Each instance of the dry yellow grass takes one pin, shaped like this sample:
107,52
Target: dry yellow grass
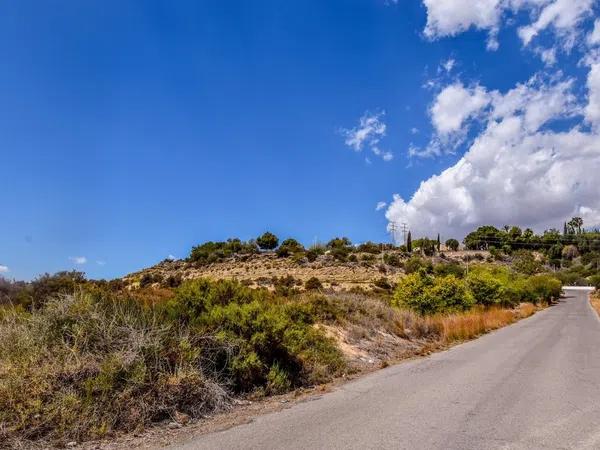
465,326
595,300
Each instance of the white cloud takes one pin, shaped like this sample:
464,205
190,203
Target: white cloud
594,37
101,263
454,105
79,260
592,110
563,15
4,269
548,56
451,17
367,134
449,64
515,171
171,257
380,206
414,130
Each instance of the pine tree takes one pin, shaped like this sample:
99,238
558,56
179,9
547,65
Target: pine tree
409,243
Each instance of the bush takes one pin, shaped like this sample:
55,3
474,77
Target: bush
211,252
314,252
486,289
414,264
391,259
595,281
285,286
425,294
445,269
369,247
544,287
267,241
91,363
383,283
313,284
339,243
289,247
524,262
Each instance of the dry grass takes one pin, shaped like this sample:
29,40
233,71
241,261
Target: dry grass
478,321
368,328
595,301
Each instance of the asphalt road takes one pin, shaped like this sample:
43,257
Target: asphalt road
532,385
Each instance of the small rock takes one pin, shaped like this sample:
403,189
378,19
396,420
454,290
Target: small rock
71,444
174,425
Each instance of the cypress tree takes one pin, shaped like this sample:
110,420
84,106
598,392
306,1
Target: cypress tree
409,243
439,244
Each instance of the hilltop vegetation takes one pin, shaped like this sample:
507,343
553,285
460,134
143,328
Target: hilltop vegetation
82,359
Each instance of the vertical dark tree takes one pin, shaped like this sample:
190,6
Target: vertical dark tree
409,243
439,244
565,230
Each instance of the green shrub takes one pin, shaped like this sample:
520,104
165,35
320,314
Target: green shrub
88,364
314,252
313,284
339,243
285,286
211,252
383,283
391,259
486,289
289,247
369,247
267,241
544,287
595,281
445,269
524,262
425,294
414,264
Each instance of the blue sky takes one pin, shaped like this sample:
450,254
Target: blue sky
132,130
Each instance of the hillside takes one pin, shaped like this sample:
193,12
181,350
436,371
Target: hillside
267,269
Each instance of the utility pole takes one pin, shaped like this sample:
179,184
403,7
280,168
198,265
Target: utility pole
393,229
404,230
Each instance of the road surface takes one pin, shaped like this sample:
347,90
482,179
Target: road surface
532,385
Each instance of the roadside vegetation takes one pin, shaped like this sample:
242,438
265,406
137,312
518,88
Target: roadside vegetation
83,359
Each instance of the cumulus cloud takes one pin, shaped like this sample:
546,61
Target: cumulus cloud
4,269
79,260
563,16
380,206
594,37
369,132
592,110
516,171
454,105
451,17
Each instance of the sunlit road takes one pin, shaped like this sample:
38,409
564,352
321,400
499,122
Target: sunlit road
532,385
